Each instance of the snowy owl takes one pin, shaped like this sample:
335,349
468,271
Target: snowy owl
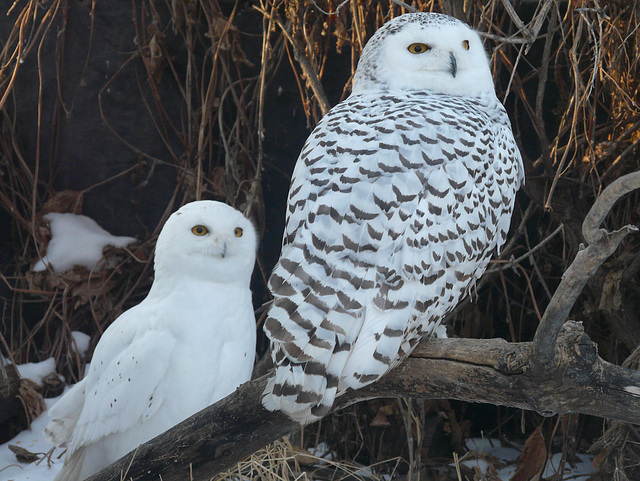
190,343
398,199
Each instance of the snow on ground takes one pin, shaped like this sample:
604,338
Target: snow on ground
33,441
81,342
76,240
323,451
37,371
508,456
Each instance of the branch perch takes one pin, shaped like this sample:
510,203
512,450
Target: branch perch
477,370
559,372
583,267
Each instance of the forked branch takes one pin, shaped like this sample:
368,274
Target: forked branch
601,245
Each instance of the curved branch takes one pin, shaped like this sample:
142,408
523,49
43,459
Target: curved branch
604,203
583,267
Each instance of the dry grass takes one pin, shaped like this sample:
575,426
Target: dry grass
281,461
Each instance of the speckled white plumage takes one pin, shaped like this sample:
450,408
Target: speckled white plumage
189,343
399,197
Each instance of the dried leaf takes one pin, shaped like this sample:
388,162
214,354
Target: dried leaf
380,419
42,234
598,458
31,399
23,455
492,473
532,458
611,298
52,385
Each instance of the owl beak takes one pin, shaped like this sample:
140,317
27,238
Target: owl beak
454,65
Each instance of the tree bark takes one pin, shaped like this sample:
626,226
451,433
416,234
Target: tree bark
477,370
583,267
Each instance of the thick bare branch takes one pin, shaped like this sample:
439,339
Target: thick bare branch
489,371
583,267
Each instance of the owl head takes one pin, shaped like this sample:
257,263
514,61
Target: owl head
207,241
424,51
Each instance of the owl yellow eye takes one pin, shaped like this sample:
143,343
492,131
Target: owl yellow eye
465,44
199,230
418,48
239,232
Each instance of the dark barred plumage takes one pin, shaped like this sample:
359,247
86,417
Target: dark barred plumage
397,202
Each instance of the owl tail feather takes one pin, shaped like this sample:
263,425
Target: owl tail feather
304,397
73,467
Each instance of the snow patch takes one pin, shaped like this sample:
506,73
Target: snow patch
322,450
33,441
81,342
37,371
581,471
76,240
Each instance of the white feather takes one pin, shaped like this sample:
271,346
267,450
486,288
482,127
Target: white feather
190,343
399,197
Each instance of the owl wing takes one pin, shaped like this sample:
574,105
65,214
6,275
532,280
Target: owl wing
444,234
386,190
126,380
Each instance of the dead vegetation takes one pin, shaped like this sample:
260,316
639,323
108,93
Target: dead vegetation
207,74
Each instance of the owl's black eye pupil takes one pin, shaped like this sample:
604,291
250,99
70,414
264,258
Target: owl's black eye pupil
417,48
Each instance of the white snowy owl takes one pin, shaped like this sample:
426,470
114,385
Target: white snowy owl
399,197
190,343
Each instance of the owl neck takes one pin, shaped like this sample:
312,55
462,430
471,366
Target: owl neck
488,99
191,292
167,284
444,88
469,82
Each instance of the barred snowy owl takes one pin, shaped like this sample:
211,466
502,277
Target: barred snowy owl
399,197
190,343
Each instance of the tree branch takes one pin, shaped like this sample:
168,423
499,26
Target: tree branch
477,370
583,267
604,203
313,80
